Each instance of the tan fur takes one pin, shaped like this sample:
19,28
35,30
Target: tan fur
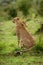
24,37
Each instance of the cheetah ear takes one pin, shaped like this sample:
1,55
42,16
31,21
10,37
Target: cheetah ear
17,18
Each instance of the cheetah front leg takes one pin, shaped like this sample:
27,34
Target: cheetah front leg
19,43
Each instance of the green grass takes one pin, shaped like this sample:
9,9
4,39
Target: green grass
21,60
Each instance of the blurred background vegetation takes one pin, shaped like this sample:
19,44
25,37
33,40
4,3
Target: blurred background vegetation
23,8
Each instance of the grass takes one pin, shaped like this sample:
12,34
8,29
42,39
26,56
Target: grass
8,43
21,60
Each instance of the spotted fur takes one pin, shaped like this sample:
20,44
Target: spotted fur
24,37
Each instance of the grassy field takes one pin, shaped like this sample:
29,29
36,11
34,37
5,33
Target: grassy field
8,43
24,59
